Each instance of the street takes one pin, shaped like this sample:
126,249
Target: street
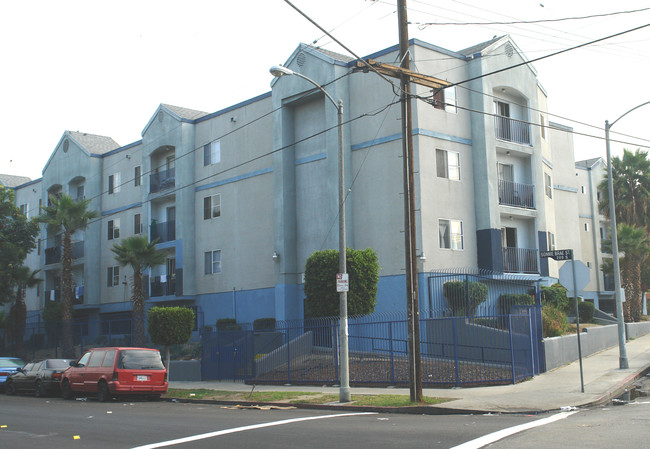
28,422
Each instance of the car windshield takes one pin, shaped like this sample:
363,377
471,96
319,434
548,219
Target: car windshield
140,359
57,363
11,363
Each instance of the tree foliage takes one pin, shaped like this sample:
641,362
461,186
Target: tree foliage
464,297
17,239
555,295
66,215
321,297
139,254
170,325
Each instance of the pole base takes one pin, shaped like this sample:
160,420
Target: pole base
345,395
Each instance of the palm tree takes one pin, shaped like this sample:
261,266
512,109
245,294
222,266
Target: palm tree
137,253
631,181
66,215
25,278
635,243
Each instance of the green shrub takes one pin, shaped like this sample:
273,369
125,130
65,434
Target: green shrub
228,324
554,321
555,296
264,324
507,300
586,310
170,325
459,299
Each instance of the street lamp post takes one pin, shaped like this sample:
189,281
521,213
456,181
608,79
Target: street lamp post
622,359
344,362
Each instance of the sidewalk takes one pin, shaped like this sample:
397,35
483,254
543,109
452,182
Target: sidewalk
603,380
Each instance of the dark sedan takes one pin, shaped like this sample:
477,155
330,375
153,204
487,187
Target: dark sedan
41,378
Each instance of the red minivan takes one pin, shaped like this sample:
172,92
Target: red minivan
109,372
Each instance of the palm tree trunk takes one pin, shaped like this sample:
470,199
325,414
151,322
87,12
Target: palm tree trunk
139,338
631,283
66,298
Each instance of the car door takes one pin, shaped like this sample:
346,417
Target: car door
76,373
19,377
94,370
31,375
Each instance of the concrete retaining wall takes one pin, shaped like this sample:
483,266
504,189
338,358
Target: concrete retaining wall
185,370
560,351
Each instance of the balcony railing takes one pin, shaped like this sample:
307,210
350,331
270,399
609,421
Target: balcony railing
520,260
53,254
165,231
516,194
512,130
162,180
160,288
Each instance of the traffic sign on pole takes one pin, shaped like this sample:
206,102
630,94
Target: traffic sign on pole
342,284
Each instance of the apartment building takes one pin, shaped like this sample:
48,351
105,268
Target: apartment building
239,198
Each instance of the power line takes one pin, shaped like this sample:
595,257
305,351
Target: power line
517,22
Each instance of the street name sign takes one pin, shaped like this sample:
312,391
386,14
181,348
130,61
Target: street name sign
558,254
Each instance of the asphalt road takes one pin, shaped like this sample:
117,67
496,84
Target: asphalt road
28,422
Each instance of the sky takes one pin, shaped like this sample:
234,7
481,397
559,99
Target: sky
104,67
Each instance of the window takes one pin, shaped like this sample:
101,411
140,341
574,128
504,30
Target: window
588,264
96,359
213,262
38,247
137,224
81,192
137,176
551,241
548,187
212,153
113,276
603,233
114,229
586,227
598,195
24,209
582,188
445,99
114,183
109,359
448,164
212,206
542,123
451,234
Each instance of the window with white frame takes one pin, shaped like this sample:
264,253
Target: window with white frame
212,206
113,276
445,99
212,153
114,229
548,186
586,227
114,182
137,176
448,164
551,241
213,262
451,234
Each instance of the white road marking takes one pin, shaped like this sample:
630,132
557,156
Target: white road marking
496,436
245,428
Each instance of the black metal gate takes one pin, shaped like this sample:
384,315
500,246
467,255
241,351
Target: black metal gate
227,355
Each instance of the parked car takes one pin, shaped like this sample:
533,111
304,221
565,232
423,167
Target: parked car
40,377
9,365
110,372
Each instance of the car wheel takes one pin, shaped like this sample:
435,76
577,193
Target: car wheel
103,394
10,388
39,391
66,390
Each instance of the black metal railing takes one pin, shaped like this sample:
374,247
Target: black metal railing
516,194
162,180
512,130
520,260
163,286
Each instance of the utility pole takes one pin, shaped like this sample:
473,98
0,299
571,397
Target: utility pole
412,302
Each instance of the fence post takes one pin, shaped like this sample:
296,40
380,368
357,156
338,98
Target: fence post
532,343
288,358
334,329
453,326
392,355
512,349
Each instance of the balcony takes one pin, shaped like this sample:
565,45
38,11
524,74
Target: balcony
162,180
165,231
53,254
520,260
512,130
516,194
163,286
